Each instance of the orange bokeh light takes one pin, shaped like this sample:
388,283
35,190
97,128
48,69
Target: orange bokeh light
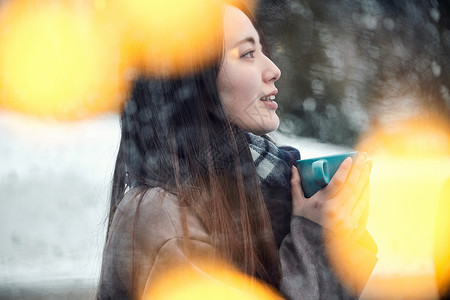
208,280
54,63
411,163
165,37
70,60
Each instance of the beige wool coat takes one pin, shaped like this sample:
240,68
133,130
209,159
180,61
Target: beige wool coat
146,240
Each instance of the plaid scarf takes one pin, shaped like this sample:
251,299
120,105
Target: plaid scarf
273,166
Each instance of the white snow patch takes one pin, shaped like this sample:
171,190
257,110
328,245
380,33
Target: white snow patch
54,185
308,147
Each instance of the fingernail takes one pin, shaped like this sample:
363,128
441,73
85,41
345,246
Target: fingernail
347,162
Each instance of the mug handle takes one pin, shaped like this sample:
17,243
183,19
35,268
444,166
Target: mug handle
320,172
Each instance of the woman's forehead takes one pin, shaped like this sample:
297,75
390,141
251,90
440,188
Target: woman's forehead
237,27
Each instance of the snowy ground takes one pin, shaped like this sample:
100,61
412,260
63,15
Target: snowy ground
54,181
54,184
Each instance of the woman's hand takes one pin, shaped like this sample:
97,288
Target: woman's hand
343,204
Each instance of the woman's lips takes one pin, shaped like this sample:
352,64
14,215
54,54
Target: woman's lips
269,101
268,98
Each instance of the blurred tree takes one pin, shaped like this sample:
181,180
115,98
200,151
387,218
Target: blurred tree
348,65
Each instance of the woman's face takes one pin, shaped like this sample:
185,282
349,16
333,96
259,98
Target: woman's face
246,80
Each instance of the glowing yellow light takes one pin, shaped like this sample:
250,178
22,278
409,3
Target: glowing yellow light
411,165
210,281
441,247
71,60
53,62
166,36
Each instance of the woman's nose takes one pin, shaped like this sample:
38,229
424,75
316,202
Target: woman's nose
271,72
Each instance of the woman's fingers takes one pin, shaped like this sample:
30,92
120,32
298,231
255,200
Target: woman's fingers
351,223
296,191
339,177
351,185
296,188
364,218
364,178
355,189
347,207
360,214
361,205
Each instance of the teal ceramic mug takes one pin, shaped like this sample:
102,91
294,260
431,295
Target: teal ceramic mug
315,173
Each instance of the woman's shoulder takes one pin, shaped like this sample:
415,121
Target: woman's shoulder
142,225
151,202
155,213
148,209
145,239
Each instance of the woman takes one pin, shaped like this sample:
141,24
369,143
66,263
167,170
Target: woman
185,184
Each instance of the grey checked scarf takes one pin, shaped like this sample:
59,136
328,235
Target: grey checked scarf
273,166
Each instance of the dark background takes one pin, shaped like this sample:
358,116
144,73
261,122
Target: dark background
350,65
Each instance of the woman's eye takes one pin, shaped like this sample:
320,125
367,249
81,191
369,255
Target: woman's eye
249,54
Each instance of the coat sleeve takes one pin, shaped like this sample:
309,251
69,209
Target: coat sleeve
306,264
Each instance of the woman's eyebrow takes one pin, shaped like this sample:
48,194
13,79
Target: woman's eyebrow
246,40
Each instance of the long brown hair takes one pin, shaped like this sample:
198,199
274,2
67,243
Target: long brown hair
175,135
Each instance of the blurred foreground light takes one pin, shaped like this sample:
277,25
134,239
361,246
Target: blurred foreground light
441,247
208,280
54,62
69,60
165,37
410,178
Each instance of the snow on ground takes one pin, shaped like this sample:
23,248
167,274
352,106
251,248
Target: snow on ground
54,182
54,186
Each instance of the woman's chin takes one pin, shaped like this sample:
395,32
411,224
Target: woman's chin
266,127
